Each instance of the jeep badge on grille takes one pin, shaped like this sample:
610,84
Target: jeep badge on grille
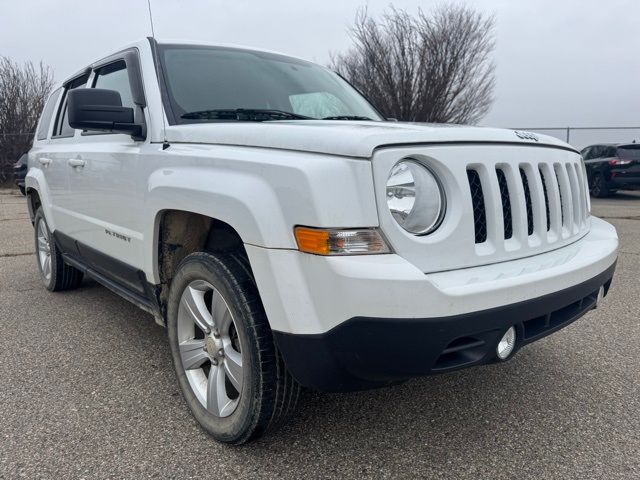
526,135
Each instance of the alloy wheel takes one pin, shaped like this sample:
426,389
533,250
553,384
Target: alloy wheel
44,250
210,348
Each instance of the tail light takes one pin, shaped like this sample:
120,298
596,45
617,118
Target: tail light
618,161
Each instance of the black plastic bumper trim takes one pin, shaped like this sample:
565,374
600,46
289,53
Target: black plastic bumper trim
366,352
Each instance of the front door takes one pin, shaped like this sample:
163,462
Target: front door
103,179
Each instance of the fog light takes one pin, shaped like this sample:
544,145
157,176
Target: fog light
506,344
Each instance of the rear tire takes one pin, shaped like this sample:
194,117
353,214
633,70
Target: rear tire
55,274
218,331
599,186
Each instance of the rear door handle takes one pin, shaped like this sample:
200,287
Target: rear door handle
44,161
76,162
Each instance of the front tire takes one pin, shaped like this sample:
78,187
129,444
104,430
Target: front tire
229,370
55,274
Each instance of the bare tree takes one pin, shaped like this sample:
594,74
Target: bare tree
23,91
433,67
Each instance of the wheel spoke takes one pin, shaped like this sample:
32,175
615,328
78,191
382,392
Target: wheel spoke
233,367
42,244
220,313
217,400
46,267
193,302
193,354
224,324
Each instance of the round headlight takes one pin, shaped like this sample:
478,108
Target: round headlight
415,197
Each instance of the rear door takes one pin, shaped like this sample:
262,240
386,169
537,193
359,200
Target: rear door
40,157
591,162
110,200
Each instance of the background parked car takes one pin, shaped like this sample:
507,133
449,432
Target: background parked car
20,171
612,167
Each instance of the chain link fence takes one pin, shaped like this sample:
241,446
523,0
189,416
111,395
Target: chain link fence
12,146
581,137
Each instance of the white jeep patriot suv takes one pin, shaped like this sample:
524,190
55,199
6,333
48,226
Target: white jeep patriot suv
287,235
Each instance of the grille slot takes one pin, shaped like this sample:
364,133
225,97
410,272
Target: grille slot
479,209
555,172
527,199
581,187
546,198
578,195
506,204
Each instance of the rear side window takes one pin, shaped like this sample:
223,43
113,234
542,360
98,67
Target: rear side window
115,77
47,114
62,128
609,152
629,152
596,151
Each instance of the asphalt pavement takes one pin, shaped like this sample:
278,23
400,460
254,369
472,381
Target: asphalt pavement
87,390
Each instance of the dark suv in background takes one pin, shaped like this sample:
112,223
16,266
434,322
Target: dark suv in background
612,167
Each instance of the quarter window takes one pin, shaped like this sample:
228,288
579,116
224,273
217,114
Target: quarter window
610,152
62,128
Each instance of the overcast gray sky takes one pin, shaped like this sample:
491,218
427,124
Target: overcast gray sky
562,62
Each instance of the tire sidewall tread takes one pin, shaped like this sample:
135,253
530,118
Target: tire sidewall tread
63,276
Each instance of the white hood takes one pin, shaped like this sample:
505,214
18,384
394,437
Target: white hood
344,138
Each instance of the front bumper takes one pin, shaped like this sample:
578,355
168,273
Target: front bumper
370,352
346,323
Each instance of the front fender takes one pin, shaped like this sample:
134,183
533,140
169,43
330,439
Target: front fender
263,195
211,194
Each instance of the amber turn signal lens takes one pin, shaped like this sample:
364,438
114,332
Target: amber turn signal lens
311,240
340,242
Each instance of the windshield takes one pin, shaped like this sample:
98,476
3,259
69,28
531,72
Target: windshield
202,82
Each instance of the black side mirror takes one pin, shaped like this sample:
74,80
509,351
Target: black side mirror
102,110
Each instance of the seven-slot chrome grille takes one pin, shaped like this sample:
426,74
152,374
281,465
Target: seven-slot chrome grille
504,202
533,203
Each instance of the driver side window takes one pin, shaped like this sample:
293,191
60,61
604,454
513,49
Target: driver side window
115,77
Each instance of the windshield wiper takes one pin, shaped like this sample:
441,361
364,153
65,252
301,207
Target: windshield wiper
244,114
347,117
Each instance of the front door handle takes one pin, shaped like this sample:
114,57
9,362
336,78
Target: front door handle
76,162
44,161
